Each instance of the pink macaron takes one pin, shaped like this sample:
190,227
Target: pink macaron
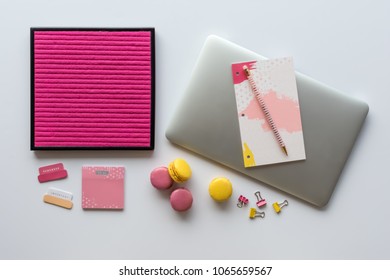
160,178
181,199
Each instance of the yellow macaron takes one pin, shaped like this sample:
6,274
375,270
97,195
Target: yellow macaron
220,189
179,170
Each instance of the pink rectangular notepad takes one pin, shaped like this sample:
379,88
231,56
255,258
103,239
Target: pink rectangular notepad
275,82
103,187
92,88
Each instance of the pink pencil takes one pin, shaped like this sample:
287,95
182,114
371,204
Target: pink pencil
265,109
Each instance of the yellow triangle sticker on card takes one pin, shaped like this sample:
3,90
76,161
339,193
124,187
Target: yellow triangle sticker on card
249,158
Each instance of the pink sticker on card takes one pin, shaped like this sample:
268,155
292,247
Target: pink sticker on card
103,187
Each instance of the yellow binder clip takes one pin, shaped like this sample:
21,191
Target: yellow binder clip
278,206
255,214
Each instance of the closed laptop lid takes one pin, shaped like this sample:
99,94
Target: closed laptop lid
206,123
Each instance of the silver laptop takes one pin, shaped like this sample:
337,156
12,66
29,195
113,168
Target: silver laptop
206,123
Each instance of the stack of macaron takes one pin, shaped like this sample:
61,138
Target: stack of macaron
163,178
220,188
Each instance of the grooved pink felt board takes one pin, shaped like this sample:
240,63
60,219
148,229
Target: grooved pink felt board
92,88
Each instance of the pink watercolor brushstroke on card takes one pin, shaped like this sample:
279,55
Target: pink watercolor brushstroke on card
285,112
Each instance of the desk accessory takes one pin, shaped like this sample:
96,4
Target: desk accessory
52,172
265,109
255,214
268,111
242,201
220,189
103,187
59,198
206,123
260,201
278,206
92,88
181,199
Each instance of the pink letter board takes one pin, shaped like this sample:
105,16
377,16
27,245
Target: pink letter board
92,88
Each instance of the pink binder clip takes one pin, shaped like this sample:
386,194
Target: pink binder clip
52,172
260,201
242,200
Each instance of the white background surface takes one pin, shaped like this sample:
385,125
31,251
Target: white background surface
345,44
